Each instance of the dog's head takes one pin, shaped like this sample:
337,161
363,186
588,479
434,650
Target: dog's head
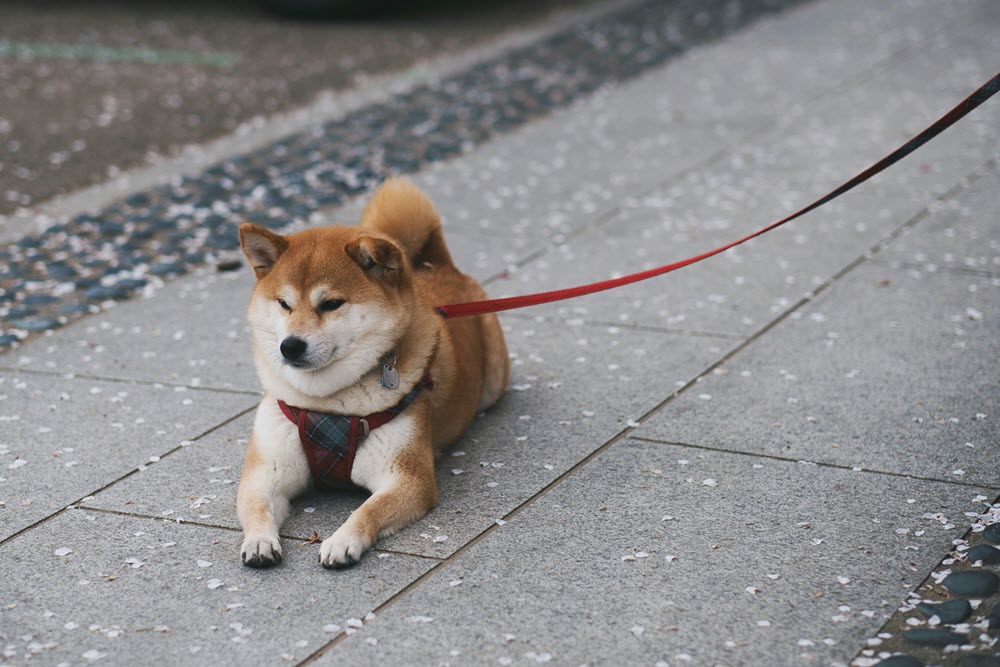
328,304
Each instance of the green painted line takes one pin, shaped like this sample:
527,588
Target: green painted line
86,52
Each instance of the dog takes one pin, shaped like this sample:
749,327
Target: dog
365,384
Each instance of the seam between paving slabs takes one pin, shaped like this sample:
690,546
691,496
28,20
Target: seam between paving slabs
821,464
963,184
652,328
120,380
938,268
125,476
304,541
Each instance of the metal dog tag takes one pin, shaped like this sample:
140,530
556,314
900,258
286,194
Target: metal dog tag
390,376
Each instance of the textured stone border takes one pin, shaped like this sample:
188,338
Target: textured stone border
92,260
953,616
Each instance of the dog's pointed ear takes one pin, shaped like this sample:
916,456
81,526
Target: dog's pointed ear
379,258
262,247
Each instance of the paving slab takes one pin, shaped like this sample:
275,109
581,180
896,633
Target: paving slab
963,233
765,178
97,588
573,388
61,439
193,332
554,176
890,369
656,554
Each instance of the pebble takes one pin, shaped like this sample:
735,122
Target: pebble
930,637
35,323
72,308
900,661
39,300
984,552
992,533
972,582
981,661
166,268
951,612
994,616
105,292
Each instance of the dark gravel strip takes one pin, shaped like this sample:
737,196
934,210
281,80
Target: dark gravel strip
942,623
49,279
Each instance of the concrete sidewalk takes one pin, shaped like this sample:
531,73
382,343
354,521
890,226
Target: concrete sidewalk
769,458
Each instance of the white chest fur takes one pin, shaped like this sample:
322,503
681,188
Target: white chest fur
277,441
373,465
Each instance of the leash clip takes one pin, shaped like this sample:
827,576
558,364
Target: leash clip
365,428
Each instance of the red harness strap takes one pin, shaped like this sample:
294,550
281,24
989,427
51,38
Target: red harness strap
328,466
330,441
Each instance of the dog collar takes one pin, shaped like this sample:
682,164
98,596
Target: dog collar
330,441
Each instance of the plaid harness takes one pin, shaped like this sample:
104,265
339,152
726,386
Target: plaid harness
331,441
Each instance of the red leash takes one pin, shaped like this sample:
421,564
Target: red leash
495,305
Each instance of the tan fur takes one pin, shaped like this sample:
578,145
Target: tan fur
390,270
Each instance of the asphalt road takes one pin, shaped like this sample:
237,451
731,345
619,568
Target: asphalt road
88,89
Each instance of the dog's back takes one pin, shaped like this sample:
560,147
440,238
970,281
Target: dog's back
402,211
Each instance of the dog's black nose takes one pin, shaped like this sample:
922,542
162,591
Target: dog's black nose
292,348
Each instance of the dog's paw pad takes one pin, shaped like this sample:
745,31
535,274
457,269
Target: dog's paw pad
342,549
261,551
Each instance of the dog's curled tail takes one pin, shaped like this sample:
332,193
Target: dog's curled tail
404,212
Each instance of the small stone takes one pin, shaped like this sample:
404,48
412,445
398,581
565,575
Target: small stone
39,299
994,617
21,312
992,533
35,323
228,265
73,308
951,612
927,637
984,552
105,293
981,661
972,582
133,283
8,339
165,268
900,661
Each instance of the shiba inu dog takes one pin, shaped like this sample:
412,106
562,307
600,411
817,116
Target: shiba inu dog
364,383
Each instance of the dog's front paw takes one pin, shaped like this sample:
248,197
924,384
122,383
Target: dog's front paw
261,550
343,548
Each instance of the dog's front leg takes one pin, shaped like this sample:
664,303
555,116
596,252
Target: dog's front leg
397,465
274,471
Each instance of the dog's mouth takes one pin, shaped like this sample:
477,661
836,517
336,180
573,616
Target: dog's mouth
311,365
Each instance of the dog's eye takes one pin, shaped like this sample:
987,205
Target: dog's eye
281,302
330,305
